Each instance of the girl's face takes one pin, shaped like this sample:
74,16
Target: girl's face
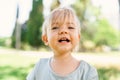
63,35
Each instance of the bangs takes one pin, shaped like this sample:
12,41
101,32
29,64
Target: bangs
63,16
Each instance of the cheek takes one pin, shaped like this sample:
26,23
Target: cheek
76,38
51,36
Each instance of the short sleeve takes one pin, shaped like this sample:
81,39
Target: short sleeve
37,71
92,74
31,75
89,72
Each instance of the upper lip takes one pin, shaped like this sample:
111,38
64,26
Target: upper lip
64,39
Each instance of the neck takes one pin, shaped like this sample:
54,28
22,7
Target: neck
65,57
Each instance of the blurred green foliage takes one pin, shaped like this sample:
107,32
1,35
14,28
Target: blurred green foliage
8,72
94,29
34,25
108,74
2,42
5,42
106,34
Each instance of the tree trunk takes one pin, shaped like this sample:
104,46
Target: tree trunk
18,36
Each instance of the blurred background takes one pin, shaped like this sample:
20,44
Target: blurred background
20,35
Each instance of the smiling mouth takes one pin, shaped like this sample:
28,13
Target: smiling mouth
64,39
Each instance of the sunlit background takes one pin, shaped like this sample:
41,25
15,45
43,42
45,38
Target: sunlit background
8,15
20,35
8,12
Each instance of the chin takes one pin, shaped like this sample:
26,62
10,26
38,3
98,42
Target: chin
64,49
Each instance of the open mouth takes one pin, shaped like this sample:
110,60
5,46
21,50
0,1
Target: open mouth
63,39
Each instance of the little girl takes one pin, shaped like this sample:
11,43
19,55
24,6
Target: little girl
61,32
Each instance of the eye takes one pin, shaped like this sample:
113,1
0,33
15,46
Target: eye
53,28
71,27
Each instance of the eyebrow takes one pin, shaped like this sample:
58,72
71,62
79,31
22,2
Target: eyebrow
70,23
54,24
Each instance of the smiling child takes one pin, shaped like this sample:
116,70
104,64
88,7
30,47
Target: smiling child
61,32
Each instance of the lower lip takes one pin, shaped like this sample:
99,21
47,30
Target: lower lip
63,42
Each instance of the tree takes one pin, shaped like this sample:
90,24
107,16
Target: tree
34,25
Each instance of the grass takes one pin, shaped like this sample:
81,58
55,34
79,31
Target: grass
16,66
13,73
108,74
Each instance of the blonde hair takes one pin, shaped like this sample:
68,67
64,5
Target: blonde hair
60,15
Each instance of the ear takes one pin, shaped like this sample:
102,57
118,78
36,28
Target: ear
44,39
79,36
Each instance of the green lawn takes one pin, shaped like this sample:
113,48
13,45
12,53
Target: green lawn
16,66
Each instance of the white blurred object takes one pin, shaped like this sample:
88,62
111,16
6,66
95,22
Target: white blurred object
7,17
110,10
66,2
105,48
8,12
47,5
25,7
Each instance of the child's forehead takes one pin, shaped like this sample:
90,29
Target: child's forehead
63,16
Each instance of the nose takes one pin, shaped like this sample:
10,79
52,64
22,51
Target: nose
63,31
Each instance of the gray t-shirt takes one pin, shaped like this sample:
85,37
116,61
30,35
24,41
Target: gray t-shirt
43,71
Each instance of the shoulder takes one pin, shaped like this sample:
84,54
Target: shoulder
43,60
37,68
89,71
86,65
41,63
